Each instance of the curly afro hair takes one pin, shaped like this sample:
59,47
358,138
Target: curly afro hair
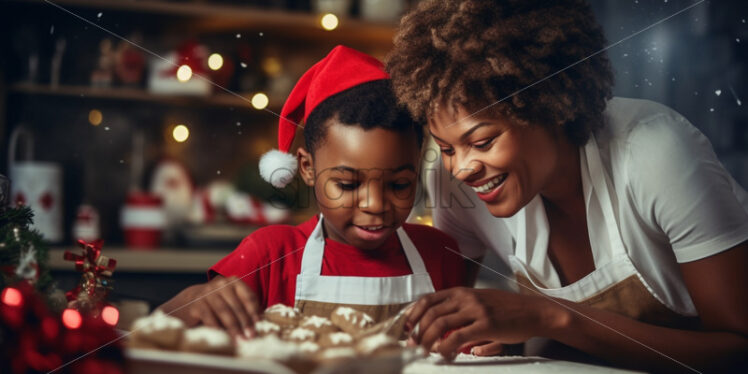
497,54
367,105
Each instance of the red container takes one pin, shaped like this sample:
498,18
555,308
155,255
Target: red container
143,220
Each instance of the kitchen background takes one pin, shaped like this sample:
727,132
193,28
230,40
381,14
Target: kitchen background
152,144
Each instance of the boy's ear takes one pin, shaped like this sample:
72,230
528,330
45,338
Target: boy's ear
306,166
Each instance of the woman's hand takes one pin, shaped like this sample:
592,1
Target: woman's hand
481,318
226,303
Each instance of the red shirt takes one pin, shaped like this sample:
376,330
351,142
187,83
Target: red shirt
271,258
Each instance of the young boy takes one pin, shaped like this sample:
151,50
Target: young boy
361,158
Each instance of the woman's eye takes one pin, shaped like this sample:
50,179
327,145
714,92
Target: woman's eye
484,144
401,186
347,186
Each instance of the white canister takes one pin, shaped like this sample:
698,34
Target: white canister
382,10
338,7
37,185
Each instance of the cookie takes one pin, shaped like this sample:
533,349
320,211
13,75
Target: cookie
300,334
282,315
337,354
350,320
264,328
320,325
158,329
376,344
206,339
309,347
335,339
268,347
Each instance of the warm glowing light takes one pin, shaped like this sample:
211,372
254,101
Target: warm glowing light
110,315
329,22
260,101
95,117
180,133
71,319
184,73
12,297
272,66
215,61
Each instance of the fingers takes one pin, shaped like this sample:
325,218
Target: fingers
249,301
446,307
445,324
424,304
231,299
489,349
475,332
226,317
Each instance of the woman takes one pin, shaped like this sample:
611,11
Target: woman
624,232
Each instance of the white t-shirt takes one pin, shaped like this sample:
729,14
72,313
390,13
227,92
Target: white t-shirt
673,199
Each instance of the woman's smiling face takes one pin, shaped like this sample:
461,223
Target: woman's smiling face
505,164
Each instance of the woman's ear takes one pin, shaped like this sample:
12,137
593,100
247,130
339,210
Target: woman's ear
306,166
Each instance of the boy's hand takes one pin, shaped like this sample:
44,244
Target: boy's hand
226,303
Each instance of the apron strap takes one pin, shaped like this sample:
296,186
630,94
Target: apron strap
600,183
311,259
414,258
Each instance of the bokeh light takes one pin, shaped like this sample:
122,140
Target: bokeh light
215,61
260,101
184,73
95,117
329,22
180,133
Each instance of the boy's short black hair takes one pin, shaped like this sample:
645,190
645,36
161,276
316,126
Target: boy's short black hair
368,105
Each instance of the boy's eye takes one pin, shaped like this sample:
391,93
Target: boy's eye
345,186
447,151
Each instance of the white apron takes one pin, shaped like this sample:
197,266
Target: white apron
615,284
380,297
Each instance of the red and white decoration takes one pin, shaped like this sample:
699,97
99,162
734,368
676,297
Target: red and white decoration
87,225
173,184
143,220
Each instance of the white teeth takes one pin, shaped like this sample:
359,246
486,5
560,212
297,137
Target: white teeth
371,228
490,185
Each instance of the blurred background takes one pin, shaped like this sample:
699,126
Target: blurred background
141,122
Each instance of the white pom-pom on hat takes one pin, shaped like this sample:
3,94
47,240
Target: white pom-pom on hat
278,167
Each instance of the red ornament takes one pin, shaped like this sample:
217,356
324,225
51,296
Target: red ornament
47,201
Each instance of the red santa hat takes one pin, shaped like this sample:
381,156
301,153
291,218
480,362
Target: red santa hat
340,70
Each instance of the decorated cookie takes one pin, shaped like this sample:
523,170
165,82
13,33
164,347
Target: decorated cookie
157,330
300,334
273,348
206,339
282,315
309,347
376,344
264,328
336,339
350,320
320,325
337,354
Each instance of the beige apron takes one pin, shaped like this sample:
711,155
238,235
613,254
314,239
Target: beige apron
379,297
615,284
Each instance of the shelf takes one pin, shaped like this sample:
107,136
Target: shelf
161,260
210,17
136,94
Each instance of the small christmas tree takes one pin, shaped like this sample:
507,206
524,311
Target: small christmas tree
23,254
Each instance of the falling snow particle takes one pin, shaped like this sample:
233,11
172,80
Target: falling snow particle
696,93
238,124
99,15
244,65
238,36
718,92
52,30
239,132
673,79
121,161
742,20
262,34
737,40
625,55
711,109
106,128
218,172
